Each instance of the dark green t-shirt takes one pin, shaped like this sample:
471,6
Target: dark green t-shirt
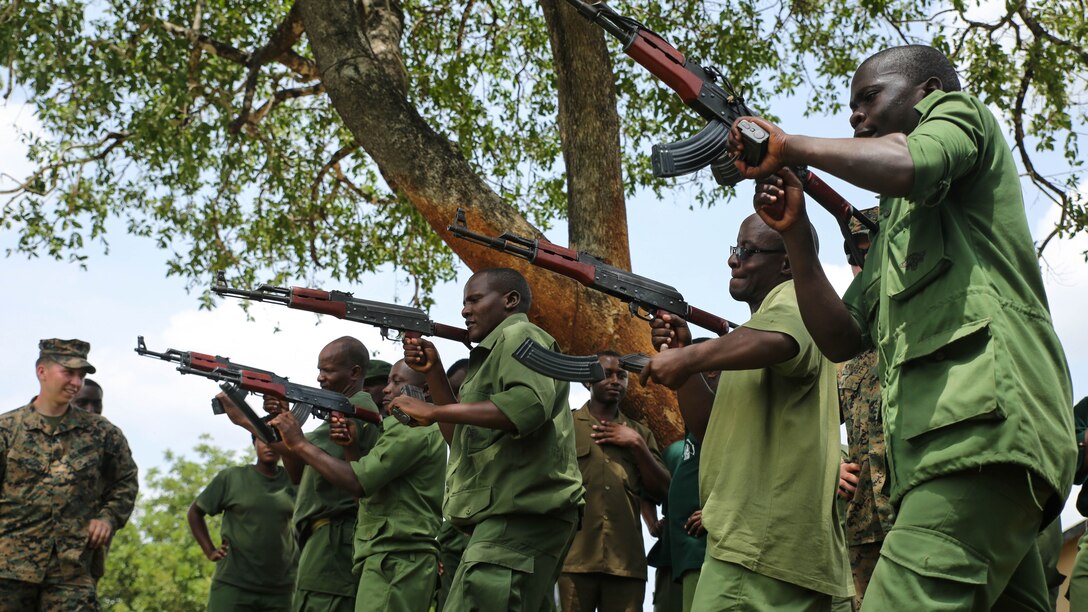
686,552
257,527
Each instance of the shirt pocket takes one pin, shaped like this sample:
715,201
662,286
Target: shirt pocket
466,503
947,379
915,252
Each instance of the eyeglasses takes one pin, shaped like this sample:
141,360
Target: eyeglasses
744,253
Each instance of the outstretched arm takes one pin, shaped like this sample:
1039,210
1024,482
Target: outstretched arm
882,165
337,471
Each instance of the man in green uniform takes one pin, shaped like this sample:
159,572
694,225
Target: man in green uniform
605,568
975,388
399,483
770,443
377,375
67,483
255,564
325,515
869,513
513,479
451,540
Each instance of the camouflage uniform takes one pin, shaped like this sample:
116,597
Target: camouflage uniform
869,514
53,480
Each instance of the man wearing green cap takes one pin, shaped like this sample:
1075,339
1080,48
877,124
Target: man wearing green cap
377,374
67,483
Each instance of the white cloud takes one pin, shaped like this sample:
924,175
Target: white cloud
1065,275
16,119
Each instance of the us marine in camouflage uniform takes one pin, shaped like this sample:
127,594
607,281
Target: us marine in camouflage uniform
869,513
67,482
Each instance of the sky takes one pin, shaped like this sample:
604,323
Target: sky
126,293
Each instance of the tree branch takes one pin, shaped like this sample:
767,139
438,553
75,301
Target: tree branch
113,138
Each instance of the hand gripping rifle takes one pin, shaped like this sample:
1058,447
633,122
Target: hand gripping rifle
409,321
643,295
322,403
720,106
569,367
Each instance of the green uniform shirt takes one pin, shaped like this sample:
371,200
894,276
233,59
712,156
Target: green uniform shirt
686,552
1080,418
330,571
53,481
402,478
952,298
256,525
869,513
610,540
532,470
770,462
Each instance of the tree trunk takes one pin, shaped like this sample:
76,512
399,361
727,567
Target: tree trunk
357,49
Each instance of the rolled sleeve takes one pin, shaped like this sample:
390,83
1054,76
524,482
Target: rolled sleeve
944,146
394,454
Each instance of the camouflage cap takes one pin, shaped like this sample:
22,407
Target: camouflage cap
68,353
872,214
377,371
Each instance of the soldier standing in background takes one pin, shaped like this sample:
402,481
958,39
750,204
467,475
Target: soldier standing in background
67,483
869,513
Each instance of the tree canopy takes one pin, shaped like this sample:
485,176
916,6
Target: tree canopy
204,124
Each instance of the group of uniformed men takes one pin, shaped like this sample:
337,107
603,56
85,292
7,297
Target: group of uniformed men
956,396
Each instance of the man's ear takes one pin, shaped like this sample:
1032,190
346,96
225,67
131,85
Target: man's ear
787,271
511,301
932,84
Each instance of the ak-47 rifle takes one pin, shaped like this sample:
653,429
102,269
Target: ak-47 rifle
410,391
322,403
411,322
572,368
720,106
643,295
238,397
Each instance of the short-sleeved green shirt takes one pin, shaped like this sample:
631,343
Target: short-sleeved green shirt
952,298
256,512
610,540
402,477
532,470
330,571
770,462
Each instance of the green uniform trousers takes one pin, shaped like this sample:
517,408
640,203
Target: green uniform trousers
511,563
225,597
963,542
326,560
397,582
728,586
586,592
690,581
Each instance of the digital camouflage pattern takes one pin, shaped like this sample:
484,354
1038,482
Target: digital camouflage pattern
869,514
68,353
53,481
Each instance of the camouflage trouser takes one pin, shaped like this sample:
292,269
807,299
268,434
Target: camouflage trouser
863,558
19,596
